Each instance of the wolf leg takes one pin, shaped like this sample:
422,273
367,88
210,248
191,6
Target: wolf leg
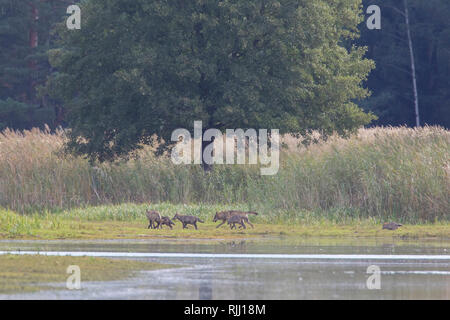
223,221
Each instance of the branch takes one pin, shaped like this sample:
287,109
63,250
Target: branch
395,67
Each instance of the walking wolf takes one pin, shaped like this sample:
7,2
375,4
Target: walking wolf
225,215
153,217
236,219
185,220
166,221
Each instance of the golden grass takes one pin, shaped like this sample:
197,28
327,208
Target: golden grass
385,173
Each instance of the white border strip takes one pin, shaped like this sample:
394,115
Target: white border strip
226,255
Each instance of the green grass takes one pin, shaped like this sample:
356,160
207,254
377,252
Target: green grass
382,173
128,221
28,273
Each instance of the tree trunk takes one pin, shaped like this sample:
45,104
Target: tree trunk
413,67
33,32
206,167
33,43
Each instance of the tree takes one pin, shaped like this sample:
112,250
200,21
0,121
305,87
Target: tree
413,63
139,68
25,38
394,99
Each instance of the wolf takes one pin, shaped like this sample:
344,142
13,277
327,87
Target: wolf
153,217
166,221
237,219
185,220
225,215
391,225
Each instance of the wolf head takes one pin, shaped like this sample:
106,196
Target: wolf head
176,216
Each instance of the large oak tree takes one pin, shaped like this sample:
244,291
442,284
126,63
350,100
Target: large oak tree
138,68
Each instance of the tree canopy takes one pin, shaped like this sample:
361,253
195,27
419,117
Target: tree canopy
25,38
27,34
139,68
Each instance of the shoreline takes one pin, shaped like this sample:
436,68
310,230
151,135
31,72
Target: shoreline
110,230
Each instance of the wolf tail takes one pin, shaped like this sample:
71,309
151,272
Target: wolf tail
200,220
253,212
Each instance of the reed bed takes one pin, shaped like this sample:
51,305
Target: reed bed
381,173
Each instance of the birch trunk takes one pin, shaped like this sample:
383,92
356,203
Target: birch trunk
413,67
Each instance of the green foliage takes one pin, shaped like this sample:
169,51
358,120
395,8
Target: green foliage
390,82
11,113
15,224
138,68
24,67
14,114
234,91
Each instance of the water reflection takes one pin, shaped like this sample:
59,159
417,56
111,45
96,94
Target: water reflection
205,277
205,289
309,280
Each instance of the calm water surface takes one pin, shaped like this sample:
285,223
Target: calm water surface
269,268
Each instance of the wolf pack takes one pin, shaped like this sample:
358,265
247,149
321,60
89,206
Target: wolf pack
231,217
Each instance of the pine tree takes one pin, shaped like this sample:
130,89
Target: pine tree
25,38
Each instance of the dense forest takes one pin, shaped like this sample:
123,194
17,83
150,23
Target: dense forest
392,98
27,33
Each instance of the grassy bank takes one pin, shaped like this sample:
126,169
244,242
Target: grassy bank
381,174
127,221
28,273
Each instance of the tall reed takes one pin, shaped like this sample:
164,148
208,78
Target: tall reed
384,173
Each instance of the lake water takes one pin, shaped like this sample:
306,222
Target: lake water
268,268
